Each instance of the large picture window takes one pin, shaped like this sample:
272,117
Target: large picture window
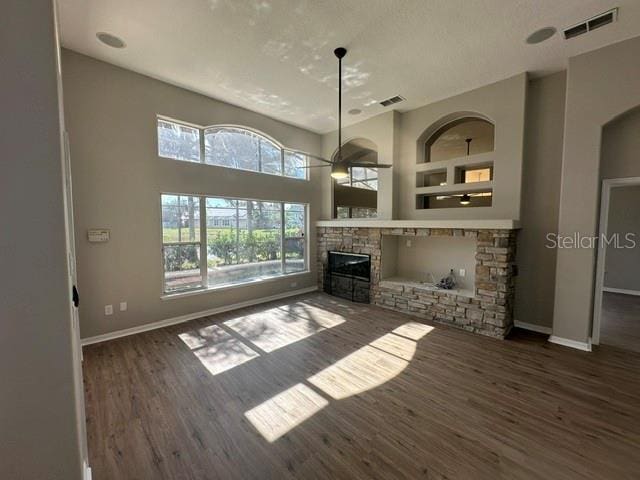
230,147
234,241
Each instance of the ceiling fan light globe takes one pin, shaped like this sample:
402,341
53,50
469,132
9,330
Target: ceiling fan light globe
339,171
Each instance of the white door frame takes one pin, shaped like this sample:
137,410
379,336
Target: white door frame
605,200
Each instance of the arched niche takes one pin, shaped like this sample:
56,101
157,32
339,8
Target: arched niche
356,196
621,146
446,138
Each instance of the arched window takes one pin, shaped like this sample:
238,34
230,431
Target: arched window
228,146
462,137
243,149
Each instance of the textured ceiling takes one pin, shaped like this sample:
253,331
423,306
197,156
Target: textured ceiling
276,56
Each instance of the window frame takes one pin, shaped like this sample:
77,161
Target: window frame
351,181
260,136
350,212
202,226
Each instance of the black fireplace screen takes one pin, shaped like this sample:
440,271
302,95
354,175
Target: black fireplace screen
350,264
348,276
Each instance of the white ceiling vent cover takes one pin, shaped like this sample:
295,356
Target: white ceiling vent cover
591,24
392,100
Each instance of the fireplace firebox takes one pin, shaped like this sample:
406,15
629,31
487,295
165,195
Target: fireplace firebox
348,275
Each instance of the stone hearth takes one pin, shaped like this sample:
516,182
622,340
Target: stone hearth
488,310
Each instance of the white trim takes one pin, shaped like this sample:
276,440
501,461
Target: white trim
86,471
622,290
607,185
506,224
192,316
532,327
566,342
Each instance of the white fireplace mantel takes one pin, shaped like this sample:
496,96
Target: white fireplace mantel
505,224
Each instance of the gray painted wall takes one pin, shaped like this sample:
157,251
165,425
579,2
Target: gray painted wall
118,178
620,159
535,284
38,437
601,86
622,265
621,146
398,135
504,104
381,131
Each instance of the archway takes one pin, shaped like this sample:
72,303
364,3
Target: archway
356,196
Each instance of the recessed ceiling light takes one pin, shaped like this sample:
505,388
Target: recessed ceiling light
355,111
541,35
110,40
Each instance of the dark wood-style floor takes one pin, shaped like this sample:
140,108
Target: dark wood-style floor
318,388
620,321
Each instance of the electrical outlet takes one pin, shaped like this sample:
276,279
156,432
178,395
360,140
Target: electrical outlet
462,272
294,284
108,309
408,243
123,306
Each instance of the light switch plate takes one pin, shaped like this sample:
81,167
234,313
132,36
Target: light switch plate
123,306
463,272
108,309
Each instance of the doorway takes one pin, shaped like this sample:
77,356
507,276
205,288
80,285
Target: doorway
617,295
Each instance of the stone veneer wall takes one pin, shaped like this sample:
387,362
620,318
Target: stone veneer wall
488,312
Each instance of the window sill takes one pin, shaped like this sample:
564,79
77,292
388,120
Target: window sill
201,291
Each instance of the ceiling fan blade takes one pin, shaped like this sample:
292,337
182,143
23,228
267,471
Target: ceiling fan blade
310,155
370,165
358,155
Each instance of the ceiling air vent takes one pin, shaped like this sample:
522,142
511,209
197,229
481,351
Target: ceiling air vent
392,100
591,24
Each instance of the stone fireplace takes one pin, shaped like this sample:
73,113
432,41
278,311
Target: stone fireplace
485,306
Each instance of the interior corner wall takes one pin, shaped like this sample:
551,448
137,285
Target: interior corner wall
535,283
380,130
118,178
38,433
601,85
503,103
622,265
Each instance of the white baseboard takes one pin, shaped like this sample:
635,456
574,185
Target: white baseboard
532,327
86,472
191,316
571,343
621,290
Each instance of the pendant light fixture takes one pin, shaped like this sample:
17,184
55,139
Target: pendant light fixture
339,169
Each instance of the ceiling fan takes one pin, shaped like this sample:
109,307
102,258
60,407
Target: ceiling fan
340,165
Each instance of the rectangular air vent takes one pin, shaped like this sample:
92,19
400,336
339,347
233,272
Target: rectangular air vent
392,100
591,24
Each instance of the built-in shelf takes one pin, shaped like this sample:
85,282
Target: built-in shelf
456,188
479,159
411,283
501,224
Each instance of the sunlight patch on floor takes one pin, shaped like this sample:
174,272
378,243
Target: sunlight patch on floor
396,345
365,369
285,411
362,370
217,350
413,330
276,328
